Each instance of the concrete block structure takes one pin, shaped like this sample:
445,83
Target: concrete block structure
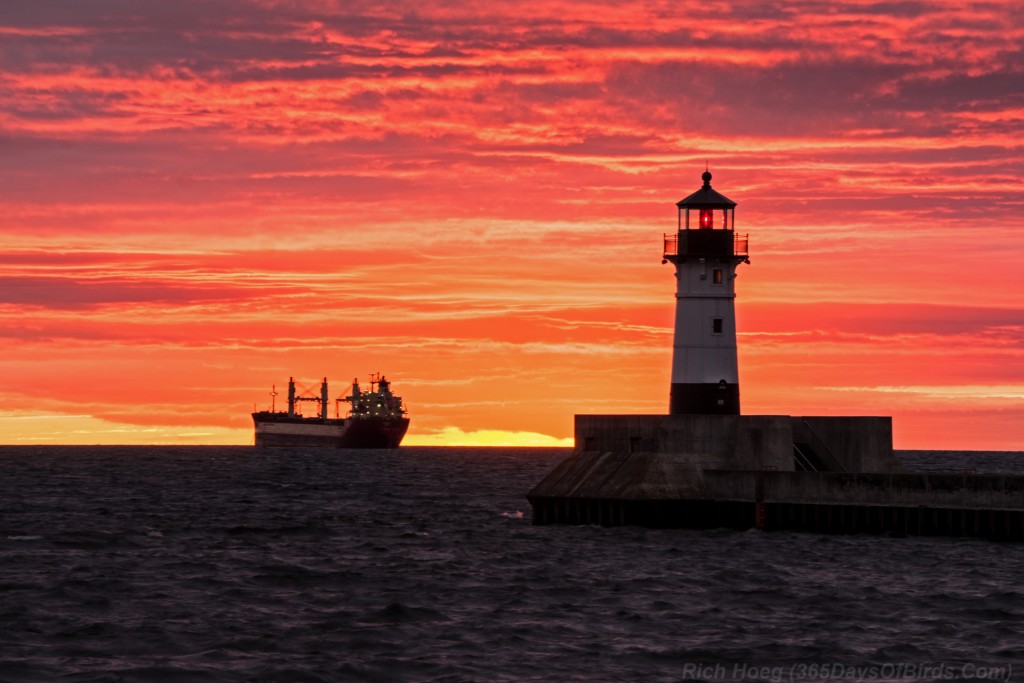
824,474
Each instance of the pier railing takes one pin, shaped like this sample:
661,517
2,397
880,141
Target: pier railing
821,448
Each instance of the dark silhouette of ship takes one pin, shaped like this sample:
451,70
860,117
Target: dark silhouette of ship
375,419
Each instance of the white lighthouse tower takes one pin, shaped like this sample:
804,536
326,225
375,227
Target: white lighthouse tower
706,252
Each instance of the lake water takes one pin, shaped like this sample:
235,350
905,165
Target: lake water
237,564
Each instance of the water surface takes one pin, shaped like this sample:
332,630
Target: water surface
237,564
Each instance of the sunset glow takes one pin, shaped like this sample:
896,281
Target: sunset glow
201,199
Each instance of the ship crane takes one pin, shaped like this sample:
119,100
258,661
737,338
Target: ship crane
321,399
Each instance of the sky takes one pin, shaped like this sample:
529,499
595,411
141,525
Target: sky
199,199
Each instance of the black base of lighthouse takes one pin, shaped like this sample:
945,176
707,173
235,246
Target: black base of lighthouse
704,399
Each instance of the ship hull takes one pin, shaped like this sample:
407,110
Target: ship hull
280,430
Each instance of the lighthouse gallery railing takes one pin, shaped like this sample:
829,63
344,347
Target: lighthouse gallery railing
705,241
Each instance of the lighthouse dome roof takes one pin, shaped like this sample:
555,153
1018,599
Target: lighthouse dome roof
706,197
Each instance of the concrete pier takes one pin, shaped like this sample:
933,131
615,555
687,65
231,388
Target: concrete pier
823,474
705,465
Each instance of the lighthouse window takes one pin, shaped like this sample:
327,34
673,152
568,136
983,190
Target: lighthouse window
717,276
716,326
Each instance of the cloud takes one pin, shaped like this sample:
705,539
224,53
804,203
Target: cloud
218,194
35,428
453,436
954,393
61,292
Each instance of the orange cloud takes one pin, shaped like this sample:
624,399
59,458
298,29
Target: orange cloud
202,202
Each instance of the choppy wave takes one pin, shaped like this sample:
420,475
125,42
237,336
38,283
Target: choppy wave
235,564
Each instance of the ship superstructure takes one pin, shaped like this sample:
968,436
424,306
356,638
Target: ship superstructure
374,419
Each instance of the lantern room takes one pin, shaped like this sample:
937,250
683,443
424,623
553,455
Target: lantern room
707,209
707,223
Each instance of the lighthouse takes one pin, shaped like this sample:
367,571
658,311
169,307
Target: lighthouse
706,251
706,466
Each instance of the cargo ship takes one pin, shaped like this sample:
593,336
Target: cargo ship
374,419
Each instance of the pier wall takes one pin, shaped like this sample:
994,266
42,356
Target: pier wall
709,441
852,444
738,471
860,444
903,490
993,523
